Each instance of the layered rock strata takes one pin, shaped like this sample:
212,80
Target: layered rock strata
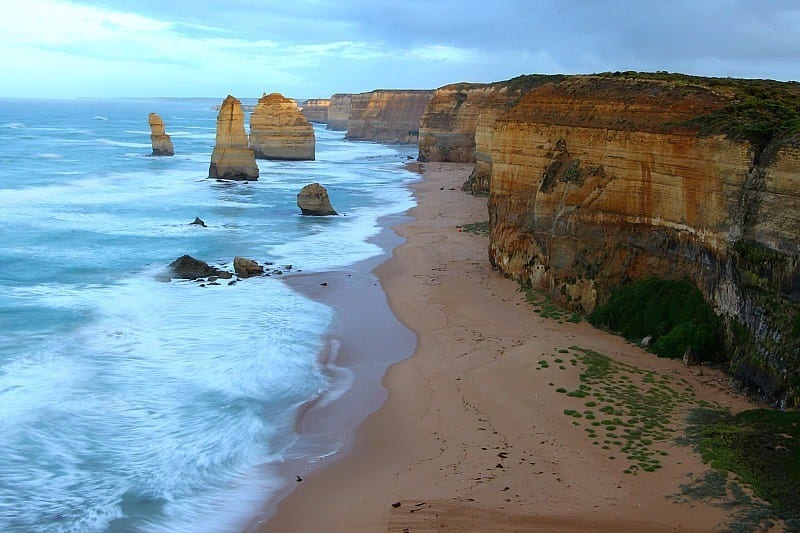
316,110
313,201
232,158
339,112
162,144
458,122
387,116
278,130
597,181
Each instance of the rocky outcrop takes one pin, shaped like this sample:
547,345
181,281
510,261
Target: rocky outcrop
162,144
387,116
600,180
313,200
316,110
278,130
339,112
232,158
187,267
458,122
246,268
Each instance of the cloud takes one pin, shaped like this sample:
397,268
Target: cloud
314,47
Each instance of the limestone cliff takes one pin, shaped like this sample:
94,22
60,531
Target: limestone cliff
316,110
339,112
278,130
162,144
458,122
599,180
387,116
232,158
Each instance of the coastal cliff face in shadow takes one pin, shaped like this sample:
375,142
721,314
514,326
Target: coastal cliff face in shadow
598,181
339,112
386,116
316,110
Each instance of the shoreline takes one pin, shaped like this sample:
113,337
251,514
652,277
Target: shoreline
352,357
471,436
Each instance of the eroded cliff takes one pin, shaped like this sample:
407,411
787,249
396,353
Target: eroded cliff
339,112
160,141
459,120
316,110
278,130
387,116
600,180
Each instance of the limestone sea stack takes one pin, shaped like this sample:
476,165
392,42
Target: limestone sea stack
313,200
162,144
278,130
232,158
339,112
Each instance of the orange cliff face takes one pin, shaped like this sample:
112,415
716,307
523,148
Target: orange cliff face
387,116
459,120
316,110
339,112
595,183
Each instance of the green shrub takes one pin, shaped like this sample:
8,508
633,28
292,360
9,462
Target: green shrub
672,312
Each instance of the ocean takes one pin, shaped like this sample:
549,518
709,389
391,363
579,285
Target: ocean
133,404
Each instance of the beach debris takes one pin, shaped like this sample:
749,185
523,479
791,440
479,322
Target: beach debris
313,201
396,505
162,144
324,283
299,479
246,268
197,222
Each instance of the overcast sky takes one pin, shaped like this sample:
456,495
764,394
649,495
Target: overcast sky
312,48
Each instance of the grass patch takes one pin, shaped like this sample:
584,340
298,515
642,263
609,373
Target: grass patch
544,306
477,228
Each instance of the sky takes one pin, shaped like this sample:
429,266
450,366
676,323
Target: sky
313,48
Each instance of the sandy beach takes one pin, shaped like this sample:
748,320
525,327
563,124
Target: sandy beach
476,432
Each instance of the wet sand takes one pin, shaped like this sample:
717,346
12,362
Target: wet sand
473,436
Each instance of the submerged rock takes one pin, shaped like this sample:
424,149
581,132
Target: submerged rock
162,144
198,222
187,267
232,158
246,268
313,200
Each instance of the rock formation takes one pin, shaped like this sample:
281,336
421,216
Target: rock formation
599,180
387,116
232,158
339,112
246,268
313,200
187,267
316,110
458,123
278,130
162,144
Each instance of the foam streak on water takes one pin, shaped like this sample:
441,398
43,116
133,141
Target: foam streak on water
129,404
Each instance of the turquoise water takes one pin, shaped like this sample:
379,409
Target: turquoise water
129,404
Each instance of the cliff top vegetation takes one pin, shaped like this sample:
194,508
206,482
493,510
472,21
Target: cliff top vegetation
759,111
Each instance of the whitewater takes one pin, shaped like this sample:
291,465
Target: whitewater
131,404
